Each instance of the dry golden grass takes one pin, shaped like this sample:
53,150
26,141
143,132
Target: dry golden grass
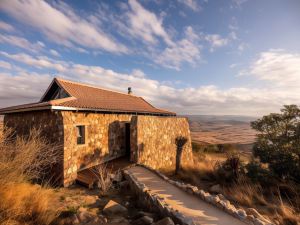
21,161
203,174
24,203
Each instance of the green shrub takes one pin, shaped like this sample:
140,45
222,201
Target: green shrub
258,174
231,169
278,142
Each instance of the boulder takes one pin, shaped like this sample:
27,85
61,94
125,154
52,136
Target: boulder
144,220
216,189
142,213
87,217
90,199
165,221
113,208
241,213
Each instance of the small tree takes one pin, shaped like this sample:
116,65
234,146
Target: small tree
180,142
278,142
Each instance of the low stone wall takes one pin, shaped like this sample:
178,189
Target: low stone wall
153,140
153,202
249,216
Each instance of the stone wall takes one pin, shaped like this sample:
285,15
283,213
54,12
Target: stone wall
153,140
50,125
105,140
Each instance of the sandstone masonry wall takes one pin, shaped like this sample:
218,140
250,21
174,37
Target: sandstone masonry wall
153,140
50,125
105,140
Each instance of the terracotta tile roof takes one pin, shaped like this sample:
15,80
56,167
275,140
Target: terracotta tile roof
86,97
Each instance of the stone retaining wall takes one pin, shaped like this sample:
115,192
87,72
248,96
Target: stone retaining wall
249,216
153,140
153,202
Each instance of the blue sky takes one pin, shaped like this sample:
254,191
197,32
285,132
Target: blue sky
238,57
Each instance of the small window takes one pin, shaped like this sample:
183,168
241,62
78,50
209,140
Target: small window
80,135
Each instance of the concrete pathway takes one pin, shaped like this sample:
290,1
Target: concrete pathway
191,206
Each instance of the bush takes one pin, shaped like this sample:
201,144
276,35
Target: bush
258,174
22,160
278,142
230,170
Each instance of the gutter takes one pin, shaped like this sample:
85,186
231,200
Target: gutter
64,108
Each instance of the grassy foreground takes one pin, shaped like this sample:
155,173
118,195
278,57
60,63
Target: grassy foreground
278,202
21,201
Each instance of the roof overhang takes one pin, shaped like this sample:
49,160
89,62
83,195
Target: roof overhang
64,108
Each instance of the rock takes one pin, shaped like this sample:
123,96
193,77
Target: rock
215,189
144,220
85,217
165,221
112,208
250,218
252,211
118,220
209,198
142,213
222,197
241,214
258,222
90,199
216,199
124,184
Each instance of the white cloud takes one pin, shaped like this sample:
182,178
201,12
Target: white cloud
5,65
21,42
207,99
185,50
38,62
54,52
61,24
145,24
6,26
138,73
216,41
242,46
238,3
192,4
279,67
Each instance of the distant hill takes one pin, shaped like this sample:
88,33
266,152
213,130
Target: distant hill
211,129
221,118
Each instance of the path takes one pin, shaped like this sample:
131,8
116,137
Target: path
191,206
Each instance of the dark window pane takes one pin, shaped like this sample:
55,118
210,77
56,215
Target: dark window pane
80,131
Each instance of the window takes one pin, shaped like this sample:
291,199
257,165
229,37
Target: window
80,135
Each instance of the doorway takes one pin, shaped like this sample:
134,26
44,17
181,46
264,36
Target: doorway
127,139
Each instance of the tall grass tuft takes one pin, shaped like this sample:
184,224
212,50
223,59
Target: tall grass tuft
22,161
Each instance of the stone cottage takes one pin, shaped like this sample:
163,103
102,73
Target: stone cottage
94,125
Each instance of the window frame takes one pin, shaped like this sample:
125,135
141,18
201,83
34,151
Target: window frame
82,128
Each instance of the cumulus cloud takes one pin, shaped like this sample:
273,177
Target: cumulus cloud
145,24
192,4
207,99
185,50
277,66
61,24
